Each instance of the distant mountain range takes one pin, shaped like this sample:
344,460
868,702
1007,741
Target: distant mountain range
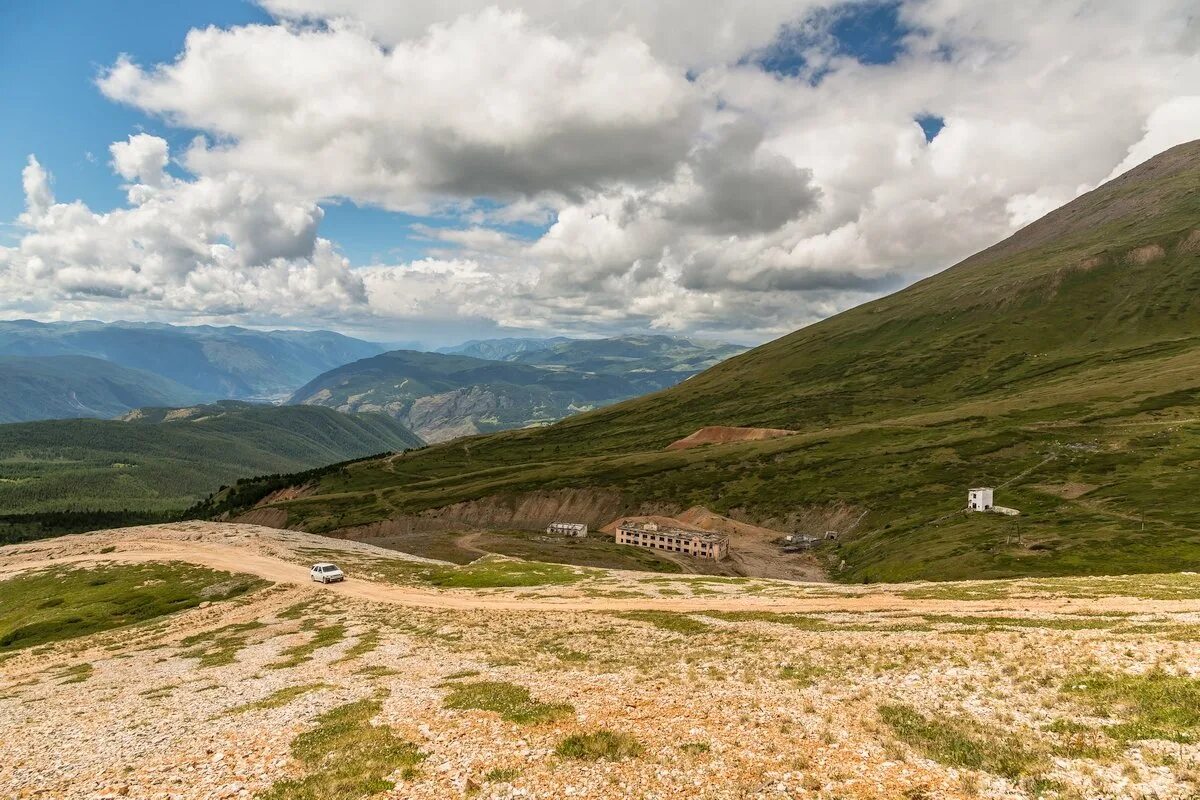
442,396
160,459
215,363
501,349
60,387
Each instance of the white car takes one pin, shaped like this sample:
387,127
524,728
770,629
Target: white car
326,573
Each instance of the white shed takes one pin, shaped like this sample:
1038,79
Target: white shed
980,500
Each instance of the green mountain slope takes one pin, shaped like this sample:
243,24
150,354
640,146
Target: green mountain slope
443,396
63,387
1061,366
166,459
216,362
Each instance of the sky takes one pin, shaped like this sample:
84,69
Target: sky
437,171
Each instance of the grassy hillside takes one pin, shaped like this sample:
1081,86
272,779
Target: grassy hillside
214,362
63,387
165,460
1061,365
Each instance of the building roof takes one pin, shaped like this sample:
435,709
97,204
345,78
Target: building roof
680,533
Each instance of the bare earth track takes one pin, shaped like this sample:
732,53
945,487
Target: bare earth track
734,688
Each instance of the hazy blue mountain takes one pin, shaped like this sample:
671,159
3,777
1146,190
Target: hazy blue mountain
442,396
216,362
61,387
650,363
501,349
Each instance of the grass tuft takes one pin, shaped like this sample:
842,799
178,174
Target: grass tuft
324,637
347,756
279,698
667,621
1155,705
960,742
513,703
600,745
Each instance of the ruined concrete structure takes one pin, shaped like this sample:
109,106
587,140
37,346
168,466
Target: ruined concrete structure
576,529
700,544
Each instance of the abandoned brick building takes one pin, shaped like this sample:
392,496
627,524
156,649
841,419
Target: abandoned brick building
701,544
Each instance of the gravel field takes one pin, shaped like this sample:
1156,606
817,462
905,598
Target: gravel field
1071,688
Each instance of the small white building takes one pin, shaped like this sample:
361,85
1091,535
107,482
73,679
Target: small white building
980,500
577,529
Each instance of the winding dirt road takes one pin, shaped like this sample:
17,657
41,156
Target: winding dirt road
260,552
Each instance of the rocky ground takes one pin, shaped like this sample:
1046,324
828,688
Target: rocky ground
725,688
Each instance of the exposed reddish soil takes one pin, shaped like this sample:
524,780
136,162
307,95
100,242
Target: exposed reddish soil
721,434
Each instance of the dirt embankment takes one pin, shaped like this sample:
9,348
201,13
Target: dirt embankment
721,434
528,511
267,517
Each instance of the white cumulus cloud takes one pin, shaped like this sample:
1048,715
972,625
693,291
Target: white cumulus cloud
671,181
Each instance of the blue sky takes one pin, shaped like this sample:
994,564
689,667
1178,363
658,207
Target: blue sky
397,171
51,53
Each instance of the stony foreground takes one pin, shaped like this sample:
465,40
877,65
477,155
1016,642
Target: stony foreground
441,683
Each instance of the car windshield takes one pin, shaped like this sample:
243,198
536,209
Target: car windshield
331,568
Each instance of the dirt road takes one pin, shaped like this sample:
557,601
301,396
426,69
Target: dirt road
203,546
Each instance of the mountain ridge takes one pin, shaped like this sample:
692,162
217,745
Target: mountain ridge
70,386
443,396
215,362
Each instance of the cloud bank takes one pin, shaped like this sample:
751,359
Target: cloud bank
680,166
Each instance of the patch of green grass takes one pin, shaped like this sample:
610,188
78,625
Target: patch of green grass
296,610
500,775
64,603
1076,740
961,742
991,590
802,674
488,573
322,638
667,621
600,745
1155,705
564,653
466,673
75,674
1077,623
219,647
279,698
366,643
513,703
347,757
695,748
376,671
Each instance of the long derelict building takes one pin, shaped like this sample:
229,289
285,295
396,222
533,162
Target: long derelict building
701,544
